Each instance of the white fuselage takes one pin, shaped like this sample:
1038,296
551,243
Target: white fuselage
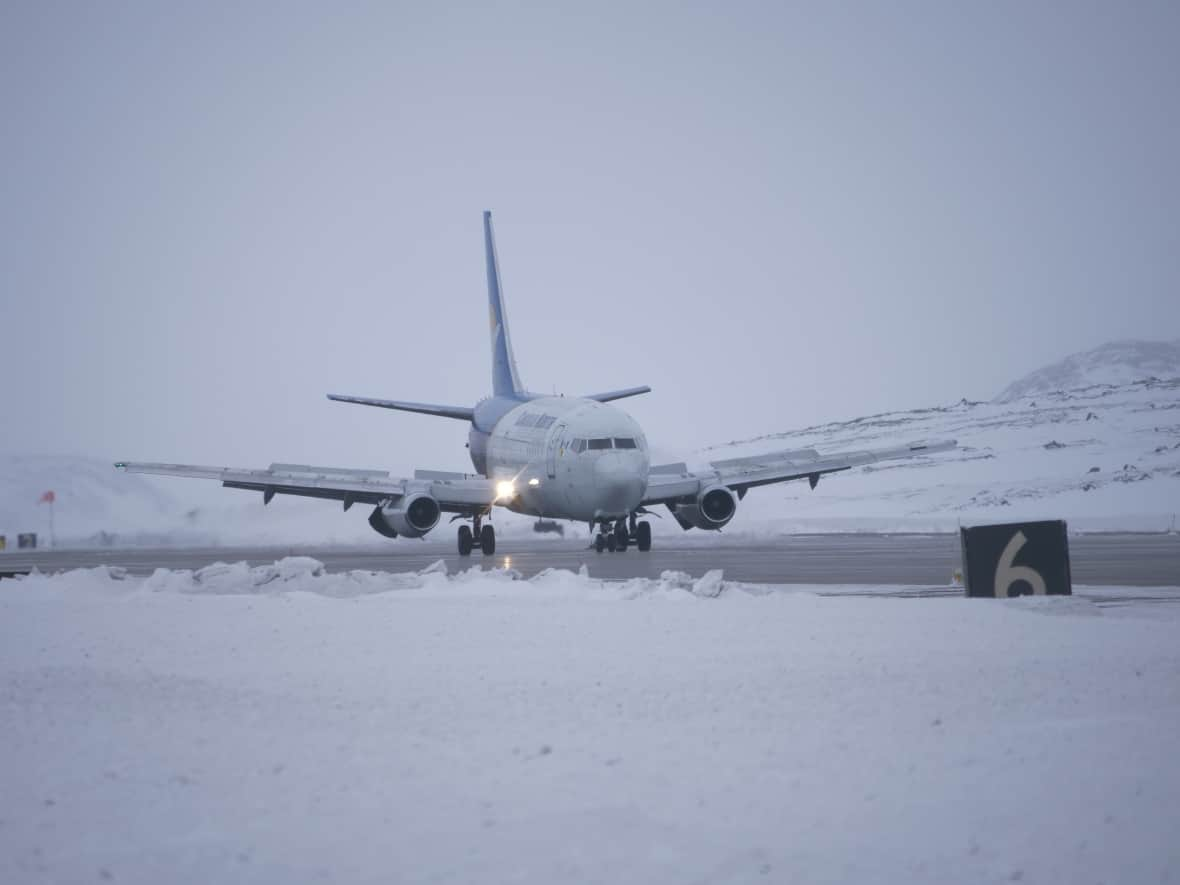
569,458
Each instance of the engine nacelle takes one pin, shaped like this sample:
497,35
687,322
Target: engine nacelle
380,526
713,508
411,517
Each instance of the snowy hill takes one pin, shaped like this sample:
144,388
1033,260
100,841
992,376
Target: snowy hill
1113,364
1104,457
1094,438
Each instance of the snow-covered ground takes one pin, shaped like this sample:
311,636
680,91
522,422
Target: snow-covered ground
1094,439
283,725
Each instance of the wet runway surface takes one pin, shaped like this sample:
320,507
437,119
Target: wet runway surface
1127,560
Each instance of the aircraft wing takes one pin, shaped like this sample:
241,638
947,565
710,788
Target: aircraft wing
455,492
673,482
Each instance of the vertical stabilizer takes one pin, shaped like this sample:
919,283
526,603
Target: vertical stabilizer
505,378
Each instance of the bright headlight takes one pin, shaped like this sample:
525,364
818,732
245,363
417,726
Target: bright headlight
505,489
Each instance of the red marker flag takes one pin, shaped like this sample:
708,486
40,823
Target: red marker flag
48,498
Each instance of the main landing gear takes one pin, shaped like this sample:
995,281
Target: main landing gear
468,535
617,538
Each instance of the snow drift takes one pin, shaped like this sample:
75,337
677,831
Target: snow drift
303,574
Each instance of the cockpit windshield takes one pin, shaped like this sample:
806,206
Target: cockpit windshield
598,445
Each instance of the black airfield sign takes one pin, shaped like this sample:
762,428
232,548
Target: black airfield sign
1016,559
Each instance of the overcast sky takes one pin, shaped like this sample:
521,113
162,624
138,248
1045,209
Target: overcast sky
774,214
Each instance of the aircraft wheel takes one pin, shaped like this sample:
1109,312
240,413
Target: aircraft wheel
487,540
622,539
599,542
466,540
611,543
643,536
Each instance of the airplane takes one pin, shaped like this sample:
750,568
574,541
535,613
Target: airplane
572,458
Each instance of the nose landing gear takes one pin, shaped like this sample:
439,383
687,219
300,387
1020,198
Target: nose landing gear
485,534
622,534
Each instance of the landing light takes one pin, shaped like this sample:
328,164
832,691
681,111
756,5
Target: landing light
534,481
505,489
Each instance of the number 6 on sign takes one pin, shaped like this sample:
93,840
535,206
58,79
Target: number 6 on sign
1008,574
990,551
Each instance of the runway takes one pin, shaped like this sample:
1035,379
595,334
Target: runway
919,560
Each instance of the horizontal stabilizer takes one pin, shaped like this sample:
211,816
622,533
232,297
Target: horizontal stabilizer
461,412
618,394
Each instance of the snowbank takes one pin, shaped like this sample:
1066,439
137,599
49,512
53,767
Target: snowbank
284,724
303,574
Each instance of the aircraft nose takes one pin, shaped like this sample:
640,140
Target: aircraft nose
619,482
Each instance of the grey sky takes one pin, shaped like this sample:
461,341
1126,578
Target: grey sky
775,215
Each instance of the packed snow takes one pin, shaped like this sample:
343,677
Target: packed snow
280,723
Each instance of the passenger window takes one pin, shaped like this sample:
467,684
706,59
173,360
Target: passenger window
599,444
624,442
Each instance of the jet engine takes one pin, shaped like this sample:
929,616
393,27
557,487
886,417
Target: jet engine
411,517
713,508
